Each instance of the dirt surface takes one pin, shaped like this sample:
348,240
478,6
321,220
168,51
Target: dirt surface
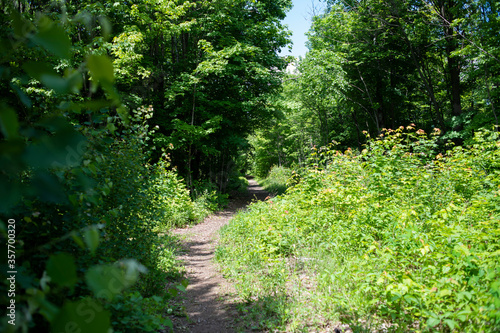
207,300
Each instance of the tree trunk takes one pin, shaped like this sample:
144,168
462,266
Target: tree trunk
358,134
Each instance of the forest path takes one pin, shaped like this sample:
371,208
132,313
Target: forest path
207,299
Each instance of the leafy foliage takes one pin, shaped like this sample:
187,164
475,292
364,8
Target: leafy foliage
276,182
375,65
398,237
76,180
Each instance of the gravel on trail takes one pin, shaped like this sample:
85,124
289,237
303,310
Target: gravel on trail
207,300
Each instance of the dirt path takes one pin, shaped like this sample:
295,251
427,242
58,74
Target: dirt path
207,301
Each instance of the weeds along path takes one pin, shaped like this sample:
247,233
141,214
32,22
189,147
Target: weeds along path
207,302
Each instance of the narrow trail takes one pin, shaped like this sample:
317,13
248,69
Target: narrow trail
207,302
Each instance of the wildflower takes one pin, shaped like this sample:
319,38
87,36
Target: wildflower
420,131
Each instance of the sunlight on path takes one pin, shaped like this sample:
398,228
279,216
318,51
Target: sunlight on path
207,302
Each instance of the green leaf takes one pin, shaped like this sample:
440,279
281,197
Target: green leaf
464,294
168,322
101,68
53,38
451,323
74,80
173,292
86,315
38,68
62,269
91,236
111,127
47,309
48,187
21,26
123,113
445,292
22,96
10,194
107,281
410,299
78,240
431,322
55,82
62,149
44,73
105,25
8,122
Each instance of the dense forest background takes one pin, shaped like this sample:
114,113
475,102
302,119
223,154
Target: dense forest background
375,65
121,120
203,70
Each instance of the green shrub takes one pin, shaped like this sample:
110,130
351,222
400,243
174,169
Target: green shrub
113,205
172,198
134,313
86,204
398,236
277,180
208,198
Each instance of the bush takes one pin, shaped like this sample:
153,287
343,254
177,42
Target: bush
175,207
207,197
397,238
112,206
277,180
76,190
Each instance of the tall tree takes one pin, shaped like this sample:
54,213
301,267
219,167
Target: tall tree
410,61
220,94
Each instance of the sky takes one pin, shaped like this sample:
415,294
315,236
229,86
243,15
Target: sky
299,21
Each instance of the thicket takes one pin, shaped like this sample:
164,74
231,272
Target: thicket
398,237
80,206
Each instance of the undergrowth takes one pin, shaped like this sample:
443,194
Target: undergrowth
398,238
276,181
95,240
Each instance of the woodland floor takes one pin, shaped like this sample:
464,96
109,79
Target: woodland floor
209,300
